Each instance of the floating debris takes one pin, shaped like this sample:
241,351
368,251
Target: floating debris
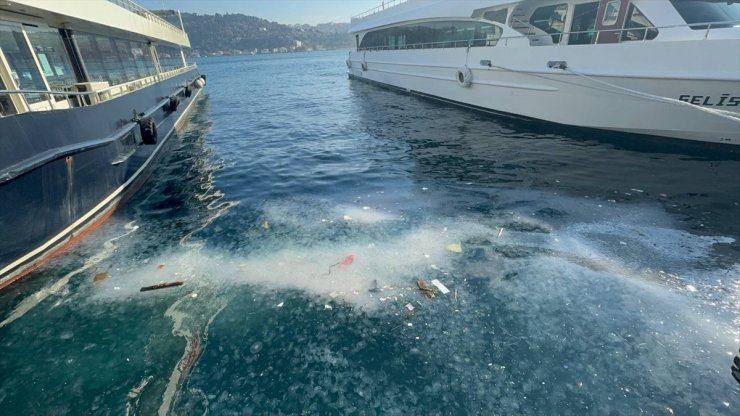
500,231
409,306
455,295
160,267
328,307
344,263
455,248
100,277
161,286
424,289
442,288
194,295
374,288
347,218
280,305
265,225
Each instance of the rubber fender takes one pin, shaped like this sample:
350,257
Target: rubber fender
199,83
464,76
148,130
188,91
349,64
364,66
204,79
172,104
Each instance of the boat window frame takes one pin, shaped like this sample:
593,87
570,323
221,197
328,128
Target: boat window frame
611,14
497,32
556,35
47,102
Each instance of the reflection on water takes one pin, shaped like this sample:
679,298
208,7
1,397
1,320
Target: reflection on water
597,274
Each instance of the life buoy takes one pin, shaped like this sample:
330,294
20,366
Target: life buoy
364,65
464,76
349,64
148,130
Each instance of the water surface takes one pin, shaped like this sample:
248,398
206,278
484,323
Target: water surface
597,273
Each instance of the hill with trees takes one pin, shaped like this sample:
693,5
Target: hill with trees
228,34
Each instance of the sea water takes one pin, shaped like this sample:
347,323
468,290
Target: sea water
589,272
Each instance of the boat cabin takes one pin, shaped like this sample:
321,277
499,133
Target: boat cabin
64,55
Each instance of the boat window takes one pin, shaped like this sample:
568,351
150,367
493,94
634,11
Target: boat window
126,55
169,57
22,66
550,19
6,106
496,15
52,56
611,15
445,34
143,58
637,24
707,11
100,59
584,21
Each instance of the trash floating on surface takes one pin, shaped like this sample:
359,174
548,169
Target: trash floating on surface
500,231
328,307
455,295
100,277
280,305
160,267
266,225
424,289
194,295
348,260
161,286
347,218
442,288
374,288
409,306
455,248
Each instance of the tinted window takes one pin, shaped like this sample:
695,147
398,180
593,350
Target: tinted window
584,21
496,16
550,19
454,34
169,57
707,11
52,56
637,24
6,106
22,66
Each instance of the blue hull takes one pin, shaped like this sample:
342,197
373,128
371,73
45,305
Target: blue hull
63,172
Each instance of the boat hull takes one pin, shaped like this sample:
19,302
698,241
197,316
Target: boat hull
589,95
47,208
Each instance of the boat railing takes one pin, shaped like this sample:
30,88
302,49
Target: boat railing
386,5
141,11
504,40
87,98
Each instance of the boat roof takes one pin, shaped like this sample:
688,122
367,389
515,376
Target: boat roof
99,16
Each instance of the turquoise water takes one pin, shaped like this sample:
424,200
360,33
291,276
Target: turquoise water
597,273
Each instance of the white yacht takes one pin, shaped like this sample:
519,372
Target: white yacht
667,68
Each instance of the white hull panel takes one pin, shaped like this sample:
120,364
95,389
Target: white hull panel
520,83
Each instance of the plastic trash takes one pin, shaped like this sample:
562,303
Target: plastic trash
442,288
100,277
348,260
328,307
265,225
280,305
374,288
160,267
161,286
409,306
455,248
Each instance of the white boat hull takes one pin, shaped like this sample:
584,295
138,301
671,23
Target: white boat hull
520,83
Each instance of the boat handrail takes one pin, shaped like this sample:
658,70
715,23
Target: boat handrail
386,5
143,12
505,39
87,98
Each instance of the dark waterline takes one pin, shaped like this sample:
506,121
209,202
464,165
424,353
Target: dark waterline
598,274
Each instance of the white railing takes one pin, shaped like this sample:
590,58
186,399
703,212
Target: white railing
386,5
141,11
86,98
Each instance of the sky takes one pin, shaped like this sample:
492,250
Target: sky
281,11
